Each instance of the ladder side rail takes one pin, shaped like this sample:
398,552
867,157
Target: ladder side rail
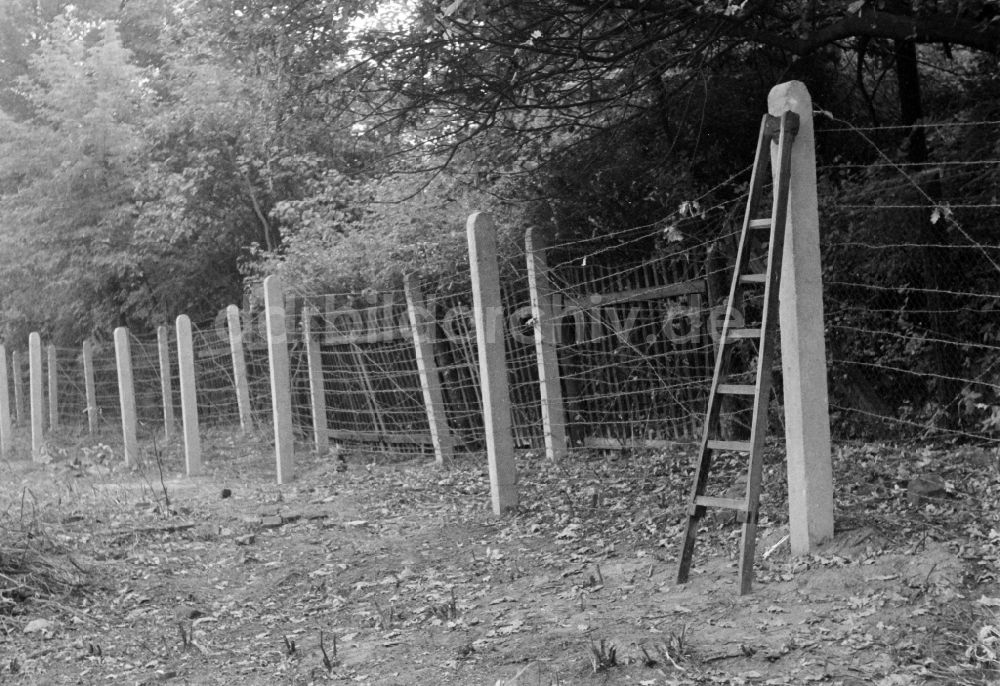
757,179
765,356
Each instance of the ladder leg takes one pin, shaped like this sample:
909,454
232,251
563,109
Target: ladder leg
748,546
687,549
748,540
755,468
694,516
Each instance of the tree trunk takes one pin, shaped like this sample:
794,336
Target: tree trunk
910,106
940,319
264,225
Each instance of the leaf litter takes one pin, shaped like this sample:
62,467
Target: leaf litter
397,573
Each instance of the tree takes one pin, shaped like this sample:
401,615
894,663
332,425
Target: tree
532,69
65,176
147,146
239,134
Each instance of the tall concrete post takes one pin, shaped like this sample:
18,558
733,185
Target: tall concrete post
189,395
488,313
240,382
317,387
6,429
17,372
166,380
544,316
422,326
52,365
803,348
90,389
126,395
281,393
36,394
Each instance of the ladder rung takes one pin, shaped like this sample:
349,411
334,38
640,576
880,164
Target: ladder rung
743,333
725,503
736,389
762,223
753,278
737,446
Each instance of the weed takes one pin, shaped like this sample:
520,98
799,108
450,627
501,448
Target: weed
674,649
603,656
328,663
32,564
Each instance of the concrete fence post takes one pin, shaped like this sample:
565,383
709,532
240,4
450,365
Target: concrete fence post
166,380
422,326
488,314
126,395
317,388
189,396
803,348
543,315
281,393
6,433
89,387
52,367
240,379
17,371
37,400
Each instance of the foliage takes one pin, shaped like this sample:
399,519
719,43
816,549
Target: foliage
541,74
349,235
133,186
159,156
66,173
412,552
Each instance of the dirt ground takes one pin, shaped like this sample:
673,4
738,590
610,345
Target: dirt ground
366,570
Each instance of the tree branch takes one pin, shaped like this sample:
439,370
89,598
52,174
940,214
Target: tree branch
871,23
264,224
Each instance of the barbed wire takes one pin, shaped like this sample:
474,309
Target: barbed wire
634,341
929,165
948,217
918,206
897,127
925,430
915,338
922,246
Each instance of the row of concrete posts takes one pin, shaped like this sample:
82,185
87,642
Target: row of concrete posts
802,345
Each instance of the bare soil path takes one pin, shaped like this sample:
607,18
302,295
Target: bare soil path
366,571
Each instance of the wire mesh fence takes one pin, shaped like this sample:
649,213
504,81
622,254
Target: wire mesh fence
106,386
367,370
216,386
71,406
911,261
637,352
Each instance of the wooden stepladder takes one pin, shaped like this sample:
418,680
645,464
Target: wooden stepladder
740,329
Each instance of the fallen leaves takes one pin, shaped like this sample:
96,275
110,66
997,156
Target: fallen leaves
435,589
44,627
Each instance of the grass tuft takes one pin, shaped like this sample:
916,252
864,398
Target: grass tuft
32,564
